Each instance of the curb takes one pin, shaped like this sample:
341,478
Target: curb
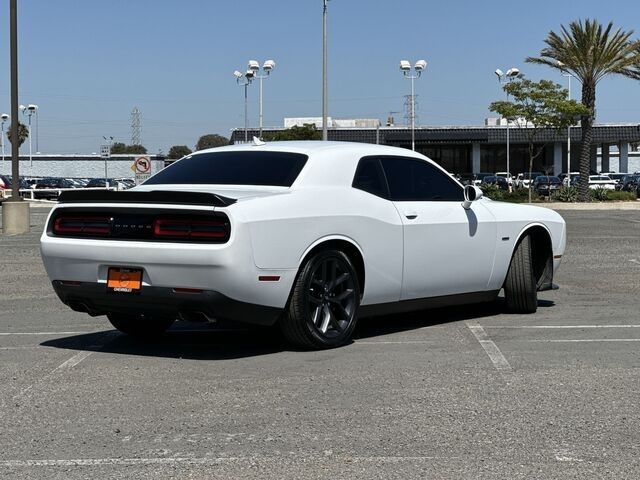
591,206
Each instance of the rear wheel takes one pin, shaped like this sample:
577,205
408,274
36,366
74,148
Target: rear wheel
520,290
322,312
140,325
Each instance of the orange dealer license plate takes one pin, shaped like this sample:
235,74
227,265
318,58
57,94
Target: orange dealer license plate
124,280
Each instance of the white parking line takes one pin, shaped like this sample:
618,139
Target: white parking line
5,298
3,334
181,461
491,349
585,340
561,326
22,347
389,342
71,362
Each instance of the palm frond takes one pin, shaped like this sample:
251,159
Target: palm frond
590,51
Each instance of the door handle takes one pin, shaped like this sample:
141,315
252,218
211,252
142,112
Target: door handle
411,216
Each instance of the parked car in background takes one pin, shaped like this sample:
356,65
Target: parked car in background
629,183
596,181
466,178
472,178
545,185
99,183
123,183
615,176
46,188
500,182
5,184
78,182
524,179
479,177
505,175
566,177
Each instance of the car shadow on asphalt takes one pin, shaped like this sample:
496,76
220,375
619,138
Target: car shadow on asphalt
388,324
226,342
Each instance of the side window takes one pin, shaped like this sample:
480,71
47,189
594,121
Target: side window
369,177
415,180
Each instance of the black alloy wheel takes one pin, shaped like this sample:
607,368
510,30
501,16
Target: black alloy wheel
323,309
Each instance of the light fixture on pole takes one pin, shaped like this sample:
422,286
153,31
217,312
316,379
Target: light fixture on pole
267,68
29,111
245,80
511,74
4,117
418,68
565,73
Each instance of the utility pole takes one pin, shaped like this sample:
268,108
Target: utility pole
325,101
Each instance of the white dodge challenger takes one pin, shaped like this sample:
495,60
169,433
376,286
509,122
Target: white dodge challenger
308,235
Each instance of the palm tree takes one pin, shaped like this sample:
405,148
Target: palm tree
589,51
23,133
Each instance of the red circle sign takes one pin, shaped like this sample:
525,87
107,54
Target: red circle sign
143,165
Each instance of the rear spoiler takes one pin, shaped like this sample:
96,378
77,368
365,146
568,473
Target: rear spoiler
155,196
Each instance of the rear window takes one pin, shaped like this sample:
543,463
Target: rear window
278,169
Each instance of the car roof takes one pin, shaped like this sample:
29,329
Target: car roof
310,147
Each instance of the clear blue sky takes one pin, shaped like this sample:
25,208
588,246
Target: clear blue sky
88,63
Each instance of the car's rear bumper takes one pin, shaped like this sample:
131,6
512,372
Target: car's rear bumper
94,299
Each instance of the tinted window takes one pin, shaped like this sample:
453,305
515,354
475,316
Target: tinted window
411,179
369,177
233,168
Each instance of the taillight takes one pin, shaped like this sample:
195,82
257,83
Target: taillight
82,225
185,228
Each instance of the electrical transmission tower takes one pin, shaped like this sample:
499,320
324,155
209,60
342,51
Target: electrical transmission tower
135,127
408,105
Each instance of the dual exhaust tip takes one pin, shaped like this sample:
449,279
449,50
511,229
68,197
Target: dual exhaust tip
195,316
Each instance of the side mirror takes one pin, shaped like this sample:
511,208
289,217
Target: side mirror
471,194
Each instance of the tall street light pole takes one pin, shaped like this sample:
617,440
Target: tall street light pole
325,99
15,211
568,75
261,74
29,111
418,68
15,123
245,80
507,77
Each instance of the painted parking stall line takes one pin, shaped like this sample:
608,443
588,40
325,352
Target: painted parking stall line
53,334
560,327
92,462
491,349
70,362
584,340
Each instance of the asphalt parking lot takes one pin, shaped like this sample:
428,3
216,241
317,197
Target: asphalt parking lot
468,392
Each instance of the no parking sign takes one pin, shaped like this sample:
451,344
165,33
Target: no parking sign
142,168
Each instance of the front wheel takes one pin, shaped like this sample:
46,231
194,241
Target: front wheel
140,325
322,311
520,289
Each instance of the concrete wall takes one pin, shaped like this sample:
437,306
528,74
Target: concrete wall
77,166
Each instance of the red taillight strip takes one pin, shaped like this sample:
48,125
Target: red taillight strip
181,228
82,225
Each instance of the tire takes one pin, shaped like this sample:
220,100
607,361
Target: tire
322,311
140,325
520,290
